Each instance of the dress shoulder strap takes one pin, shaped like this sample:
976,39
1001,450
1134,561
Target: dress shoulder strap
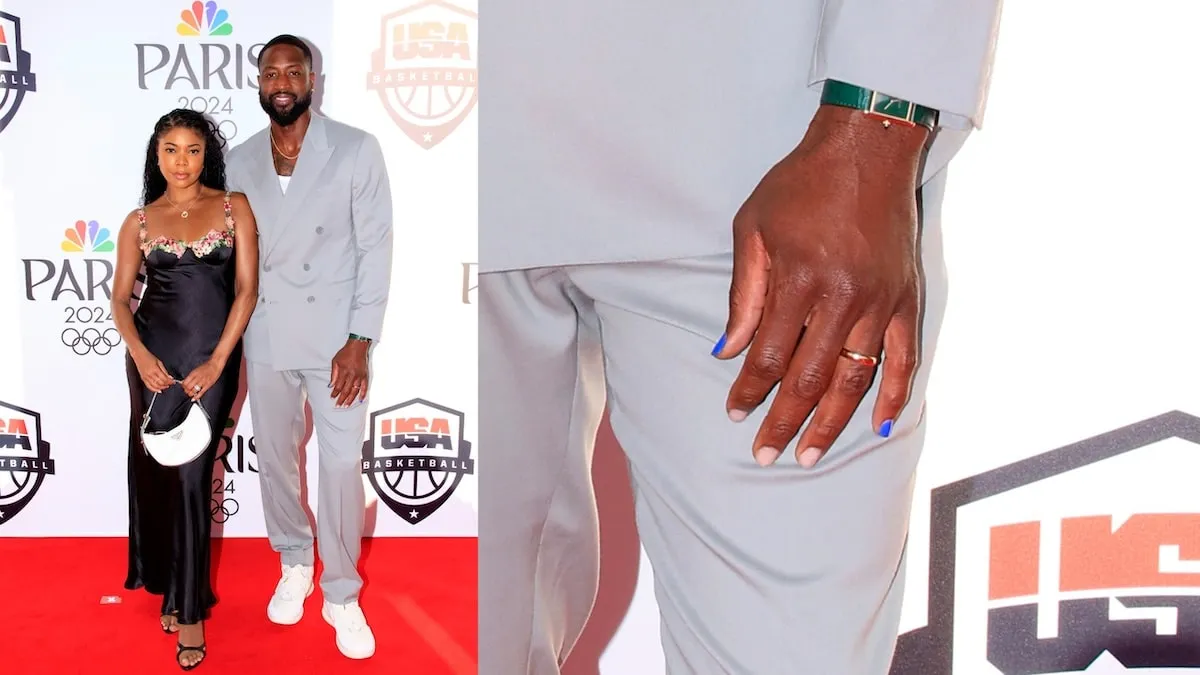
228,211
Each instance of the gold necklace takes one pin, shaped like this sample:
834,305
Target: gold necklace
282,154
183,212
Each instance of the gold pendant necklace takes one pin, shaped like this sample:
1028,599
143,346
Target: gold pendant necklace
183,212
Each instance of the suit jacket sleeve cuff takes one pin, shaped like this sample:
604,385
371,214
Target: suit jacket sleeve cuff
366,322
937,53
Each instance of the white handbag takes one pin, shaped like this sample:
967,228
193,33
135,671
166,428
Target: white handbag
178,446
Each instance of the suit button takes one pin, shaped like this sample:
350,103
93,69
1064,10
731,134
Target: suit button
267,268
320,230
311,299
306,267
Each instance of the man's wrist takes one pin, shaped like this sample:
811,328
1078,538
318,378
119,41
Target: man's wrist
849,134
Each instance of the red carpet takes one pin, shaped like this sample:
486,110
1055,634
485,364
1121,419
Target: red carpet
419,598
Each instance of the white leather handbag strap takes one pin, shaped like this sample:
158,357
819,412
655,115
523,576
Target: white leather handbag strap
146,417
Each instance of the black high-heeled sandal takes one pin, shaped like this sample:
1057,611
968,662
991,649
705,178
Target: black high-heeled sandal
180,649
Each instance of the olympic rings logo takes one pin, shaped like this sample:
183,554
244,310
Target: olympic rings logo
223,510
91,340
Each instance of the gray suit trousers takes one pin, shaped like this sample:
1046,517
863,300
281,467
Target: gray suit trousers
758,571
277,407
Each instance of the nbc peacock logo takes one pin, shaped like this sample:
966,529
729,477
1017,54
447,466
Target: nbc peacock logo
204,19
87,237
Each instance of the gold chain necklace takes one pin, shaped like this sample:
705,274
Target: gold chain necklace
282,154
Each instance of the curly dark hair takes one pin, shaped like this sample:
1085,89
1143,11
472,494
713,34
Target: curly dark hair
154,184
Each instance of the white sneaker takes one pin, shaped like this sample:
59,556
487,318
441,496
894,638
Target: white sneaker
287,605
354,637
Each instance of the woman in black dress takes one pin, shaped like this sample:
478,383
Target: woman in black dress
199,246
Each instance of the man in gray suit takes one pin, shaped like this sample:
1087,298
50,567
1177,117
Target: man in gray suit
666,182
320,193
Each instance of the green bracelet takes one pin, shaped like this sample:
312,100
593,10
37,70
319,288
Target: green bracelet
359,338
877,104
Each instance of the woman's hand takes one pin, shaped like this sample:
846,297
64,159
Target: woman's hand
154,374
200,380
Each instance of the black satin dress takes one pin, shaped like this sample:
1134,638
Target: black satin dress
187,297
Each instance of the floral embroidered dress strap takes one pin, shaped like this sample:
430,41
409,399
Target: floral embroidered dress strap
141,216
228,213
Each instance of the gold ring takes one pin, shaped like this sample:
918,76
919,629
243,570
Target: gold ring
861,359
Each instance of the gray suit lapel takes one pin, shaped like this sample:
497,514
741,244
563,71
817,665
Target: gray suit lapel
314,154
270,195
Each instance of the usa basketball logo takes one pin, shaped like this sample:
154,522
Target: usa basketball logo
416,457
15,76
24,459
1084,559
426,71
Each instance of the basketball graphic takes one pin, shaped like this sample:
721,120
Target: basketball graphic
15,76
24,459
12,484
416,457
426,69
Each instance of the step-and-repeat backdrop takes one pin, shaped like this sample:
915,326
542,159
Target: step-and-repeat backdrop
81,86
1056,524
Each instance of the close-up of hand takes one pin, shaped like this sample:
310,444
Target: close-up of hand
200,380
826,281
349,374
153,373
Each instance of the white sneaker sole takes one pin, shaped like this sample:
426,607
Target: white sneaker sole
342,648
290,620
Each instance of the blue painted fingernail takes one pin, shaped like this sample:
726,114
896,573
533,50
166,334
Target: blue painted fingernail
885,429
719,346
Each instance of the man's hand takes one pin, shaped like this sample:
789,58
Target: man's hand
350,373
825,260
